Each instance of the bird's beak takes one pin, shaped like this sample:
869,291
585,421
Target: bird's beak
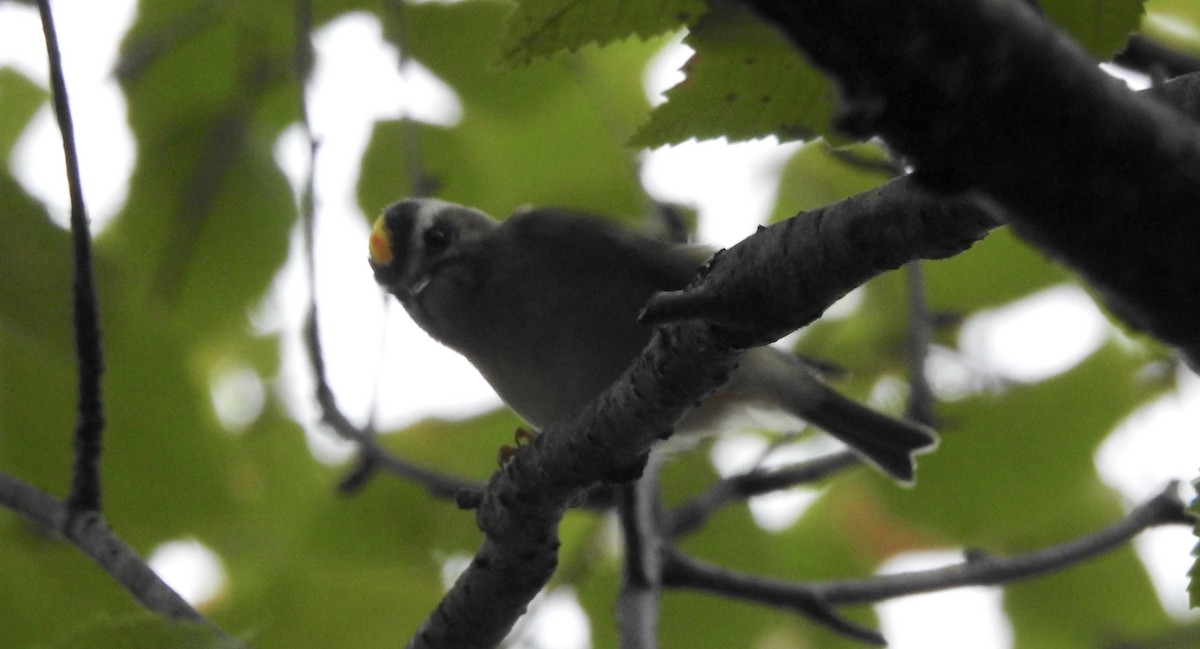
380,249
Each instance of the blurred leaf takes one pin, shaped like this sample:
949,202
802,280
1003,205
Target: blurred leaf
1077,608
206,222
144,631
466,448
540,28
999,269
549,134
20,99
817,176
871,341
1174,23
745,81
1101,26
1021,459
35,262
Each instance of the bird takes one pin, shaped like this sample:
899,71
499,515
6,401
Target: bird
545,305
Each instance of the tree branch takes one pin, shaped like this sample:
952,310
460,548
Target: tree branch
685,572
681,571
917,341
637,607
1146,55
695,512
785,276
609,440
1163,509
85,491
986,95
373,456
92,537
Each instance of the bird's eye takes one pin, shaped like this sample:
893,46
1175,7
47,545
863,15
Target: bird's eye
436,240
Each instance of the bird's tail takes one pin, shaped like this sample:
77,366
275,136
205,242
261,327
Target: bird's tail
886,442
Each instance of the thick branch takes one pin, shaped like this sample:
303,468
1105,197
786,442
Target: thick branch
986,95
84,494
608,441
785,276
523,503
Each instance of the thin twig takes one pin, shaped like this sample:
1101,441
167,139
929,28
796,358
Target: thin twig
331,413
84,495
1164,509
92,537
419,184
685,572
681,571
920,337
637,603
374,457
695,512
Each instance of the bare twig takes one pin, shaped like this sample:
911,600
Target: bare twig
374,457
681,571
685,572
695,512
92,537
637,604
1163,509
920,336
419,184
85,491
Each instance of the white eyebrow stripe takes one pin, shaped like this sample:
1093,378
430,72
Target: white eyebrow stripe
422,219
427,212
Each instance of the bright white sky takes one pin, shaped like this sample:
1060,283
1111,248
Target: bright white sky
355,84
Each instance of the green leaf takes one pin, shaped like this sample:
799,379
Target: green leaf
144,631
206,222
19,100
745,81
817,175
1174,23
1077,608
1101,26
550,134
1021,459
466,448
540,28
1001,268
35,262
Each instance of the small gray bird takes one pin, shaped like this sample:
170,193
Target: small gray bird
545,305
